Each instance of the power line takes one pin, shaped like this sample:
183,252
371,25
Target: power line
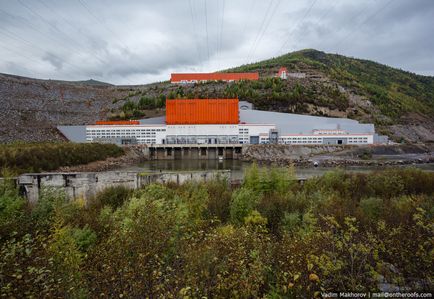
86,7
15,36
364,22
221,31
124,47
266,27
248,17
352,17
193,21
73,26
10,34
54,27
36,29
260,29
49,37
296,25
206,28
30,72
326,12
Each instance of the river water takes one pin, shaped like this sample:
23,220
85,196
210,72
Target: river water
238,167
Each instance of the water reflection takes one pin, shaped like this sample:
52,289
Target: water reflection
238,167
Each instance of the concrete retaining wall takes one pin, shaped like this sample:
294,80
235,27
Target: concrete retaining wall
87,184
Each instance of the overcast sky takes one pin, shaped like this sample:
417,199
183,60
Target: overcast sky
136,42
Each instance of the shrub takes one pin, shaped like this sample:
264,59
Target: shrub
291,221
66,262
341,231
11,208
50,200
372,208
113,196
37,157
242,203
273,208
228,263
219,199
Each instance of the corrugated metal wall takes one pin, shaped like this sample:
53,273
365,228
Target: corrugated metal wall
178,77
202,111
117,122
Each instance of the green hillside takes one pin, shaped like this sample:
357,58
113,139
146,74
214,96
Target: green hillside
395,92
400,103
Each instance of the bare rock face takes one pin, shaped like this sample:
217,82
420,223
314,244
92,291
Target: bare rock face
335,155
280,152
31,109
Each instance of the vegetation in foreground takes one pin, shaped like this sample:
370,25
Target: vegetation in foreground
37,157
270,237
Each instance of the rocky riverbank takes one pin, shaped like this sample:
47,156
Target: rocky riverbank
329,155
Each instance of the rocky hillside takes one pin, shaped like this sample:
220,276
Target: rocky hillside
401,104
31,109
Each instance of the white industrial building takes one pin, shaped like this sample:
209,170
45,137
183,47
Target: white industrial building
255,127
218,134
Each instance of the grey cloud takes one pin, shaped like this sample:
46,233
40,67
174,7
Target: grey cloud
136,41
55,61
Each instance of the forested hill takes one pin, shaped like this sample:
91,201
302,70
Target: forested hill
364,89
401,104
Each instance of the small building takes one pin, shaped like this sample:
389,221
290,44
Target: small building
189,78
283,73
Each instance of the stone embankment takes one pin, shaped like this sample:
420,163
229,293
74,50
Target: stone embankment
278,152
329,155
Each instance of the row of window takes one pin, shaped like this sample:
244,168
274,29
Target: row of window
121,134
126,130
300,138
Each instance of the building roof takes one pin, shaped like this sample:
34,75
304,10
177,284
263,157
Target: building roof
289,123
282,69
74,133
178,77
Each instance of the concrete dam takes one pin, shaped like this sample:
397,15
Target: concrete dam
87,184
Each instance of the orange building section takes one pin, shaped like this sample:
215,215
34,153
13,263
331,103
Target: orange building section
188,78
117,122
202,111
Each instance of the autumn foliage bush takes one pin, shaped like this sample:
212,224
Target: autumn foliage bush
270,237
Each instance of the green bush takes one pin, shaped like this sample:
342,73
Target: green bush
341,230
242,203
37,157
372,208
113,196
12,213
